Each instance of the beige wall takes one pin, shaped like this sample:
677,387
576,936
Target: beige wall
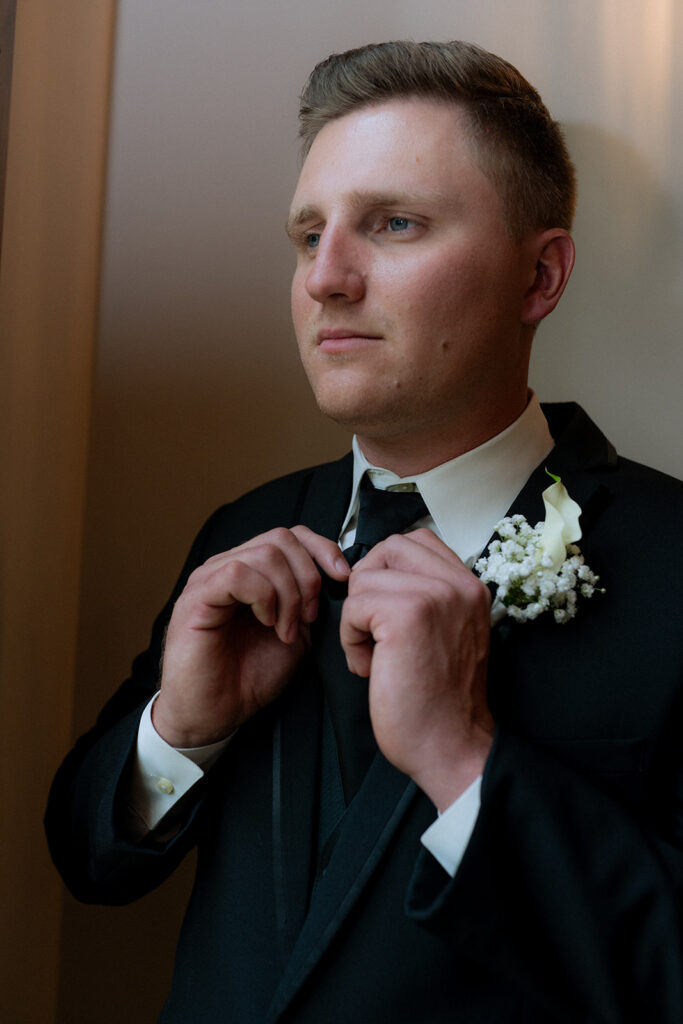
48,293
196,394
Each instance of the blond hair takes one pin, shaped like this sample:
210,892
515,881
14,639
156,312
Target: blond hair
519,146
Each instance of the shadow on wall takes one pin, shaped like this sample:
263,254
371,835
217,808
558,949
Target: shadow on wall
614,341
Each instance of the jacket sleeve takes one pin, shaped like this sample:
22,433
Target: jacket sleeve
566,892
571,885
85,809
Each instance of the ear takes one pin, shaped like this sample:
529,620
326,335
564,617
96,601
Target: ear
554,254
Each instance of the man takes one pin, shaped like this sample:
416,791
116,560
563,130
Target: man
476,823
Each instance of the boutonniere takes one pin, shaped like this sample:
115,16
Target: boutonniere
539,568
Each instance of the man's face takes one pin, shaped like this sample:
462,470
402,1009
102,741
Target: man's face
408,291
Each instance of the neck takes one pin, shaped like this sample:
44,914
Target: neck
412,453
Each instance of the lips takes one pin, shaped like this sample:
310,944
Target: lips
339,341
337,333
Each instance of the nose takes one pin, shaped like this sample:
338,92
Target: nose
336,271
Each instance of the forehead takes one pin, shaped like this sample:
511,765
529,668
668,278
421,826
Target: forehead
412,146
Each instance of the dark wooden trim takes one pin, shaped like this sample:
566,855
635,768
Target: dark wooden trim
8,9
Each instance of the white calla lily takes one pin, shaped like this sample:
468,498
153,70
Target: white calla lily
561,526
537,569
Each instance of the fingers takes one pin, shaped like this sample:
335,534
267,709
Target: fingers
419,553
324,552
274,574
411,552
409,585
387,608
416,622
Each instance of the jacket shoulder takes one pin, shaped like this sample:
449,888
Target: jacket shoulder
278,502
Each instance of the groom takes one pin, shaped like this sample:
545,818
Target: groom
402,813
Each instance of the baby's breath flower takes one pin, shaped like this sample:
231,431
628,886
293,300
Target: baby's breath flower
526,580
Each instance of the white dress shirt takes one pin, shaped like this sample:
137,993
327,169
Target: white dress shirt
465,498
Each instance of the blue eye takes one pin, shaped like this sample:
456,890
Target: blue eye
398,223
313,239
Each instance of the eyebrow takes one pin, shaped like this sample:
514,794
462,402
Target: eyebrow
301,216
359,199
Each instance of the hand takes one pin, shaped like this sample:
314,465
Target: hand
238,631
417,622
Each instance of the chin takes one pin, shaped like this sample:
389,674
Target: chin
359,419
360,407
344,417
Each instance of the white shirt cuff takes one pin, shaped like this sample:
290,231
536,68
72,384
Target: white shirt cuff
162,774
447,837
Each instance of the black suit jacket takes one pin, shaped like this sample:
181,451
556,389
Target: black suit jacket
567,904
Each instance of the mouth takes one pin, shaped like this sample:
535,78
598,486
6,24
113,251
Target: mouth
344,339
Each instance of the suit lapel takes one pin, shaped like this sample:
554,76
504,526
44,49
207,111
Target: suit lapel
581,455
583,458
296,755
327,497
370,823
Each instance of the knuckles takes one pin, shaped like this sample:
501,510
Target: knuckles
279,535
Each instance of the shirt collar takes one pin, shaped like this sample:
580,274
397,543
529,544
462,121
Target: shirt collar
468,495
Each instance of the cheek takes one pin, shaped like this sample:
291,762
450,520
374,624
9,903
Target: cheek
462,298
444,285
298,298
